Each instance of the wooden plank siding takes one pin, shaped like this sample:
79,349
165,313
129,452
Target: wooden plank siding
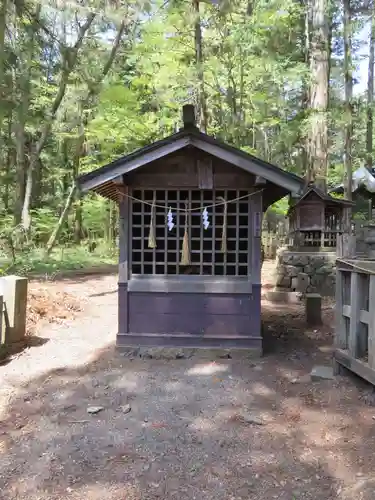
196,314
183,171
193,320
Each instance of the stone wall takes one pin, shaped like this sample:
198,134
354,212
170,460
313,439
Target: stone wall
306,272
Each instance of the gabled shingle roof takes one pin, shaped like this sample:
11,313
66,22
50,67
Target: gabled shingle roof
103,179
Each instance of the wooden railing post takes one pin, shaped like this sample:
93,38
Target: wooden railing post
354,314
14,292
340,332
339,248
371,323
2,340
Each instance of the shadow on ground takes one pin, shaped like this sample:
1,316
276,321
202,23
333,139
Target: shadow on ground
199,428
77,275
7,352
103,294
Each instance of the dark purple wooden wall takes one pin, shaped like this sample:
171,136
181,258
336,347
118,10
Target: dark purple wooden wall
190,320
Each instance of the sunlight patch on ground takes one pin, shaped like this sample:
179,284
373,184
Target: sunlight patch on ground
202,424
288,374
102,491
207,369
3,446
174,387
261,390
128,382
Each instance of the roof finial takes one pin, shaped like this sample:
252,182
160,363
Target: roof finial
188,116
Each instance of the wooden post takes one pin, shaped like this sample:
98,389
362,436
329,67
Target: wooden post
313,309
123,314
339,243
371,323
2,341
340,333
354,314
123,240
256,215
14,292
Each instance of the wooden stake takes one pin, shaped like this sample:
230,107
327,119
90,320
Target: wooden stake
151,234
185,253
224,230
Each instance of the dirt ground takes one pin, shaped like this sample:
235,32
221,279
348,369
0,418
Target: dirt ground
200,428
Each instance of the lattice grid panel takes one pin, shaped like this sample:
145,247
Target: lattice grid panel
205,244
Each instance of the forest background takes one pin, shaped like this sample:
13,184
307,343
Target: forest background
82,83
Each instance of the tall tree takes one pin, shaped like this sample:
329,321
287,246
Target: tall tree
319,69
69,58
370,93
348,78
258,71
198,43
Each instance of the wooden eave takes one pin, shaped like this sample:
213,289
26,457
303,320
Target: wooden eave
105,180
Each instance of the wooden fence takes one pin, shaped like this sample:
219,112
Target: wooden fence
355,318
272,240
347,245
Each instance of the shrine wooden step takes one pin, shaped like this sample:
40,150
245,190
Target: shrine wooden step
189,341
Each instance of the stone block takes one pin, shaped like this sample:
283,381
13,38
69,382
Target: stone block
313,309
298,259
309,269
283,281
294,284
331,258
317,262
321,373
317,280
14,292
291,271
324,269
303,281
283,297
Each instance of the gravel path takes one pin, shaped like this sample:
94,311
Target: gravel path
201,428
75,342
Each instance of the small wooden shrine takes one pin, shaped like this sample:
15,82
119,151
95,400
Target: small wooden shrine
190,239
316,219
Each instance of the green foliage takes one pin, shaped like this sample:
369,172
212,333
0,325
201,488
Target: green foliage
64,258
255,82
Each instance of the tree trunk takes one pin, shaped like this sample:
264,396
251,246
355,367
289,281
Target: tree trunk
305,95
319,67
348,76
370,94
79,152
3,23
203,114
20,137
8,163
69,59
37,193
55,235
22,79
